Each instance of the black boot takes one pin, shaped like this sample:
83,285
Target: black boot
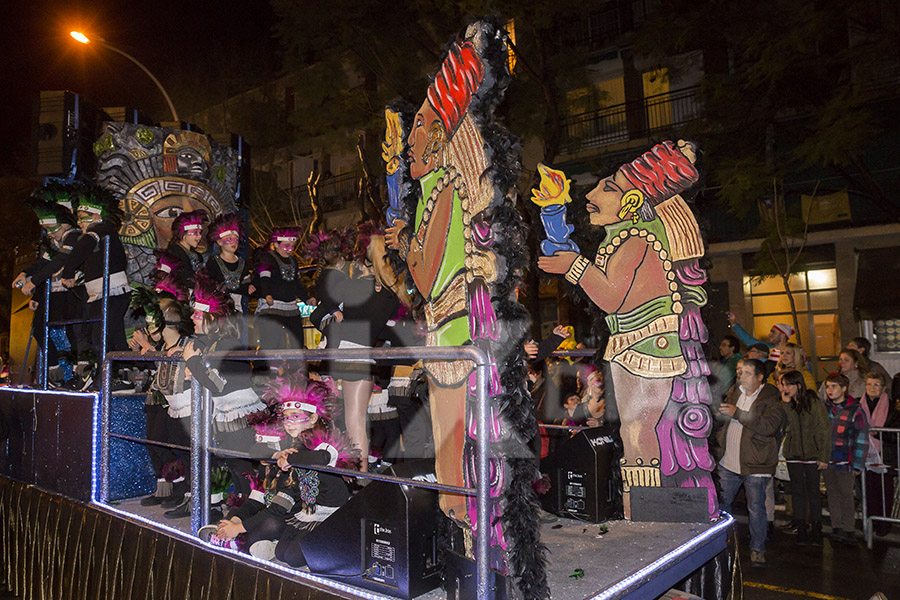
815,534
177,496
802,534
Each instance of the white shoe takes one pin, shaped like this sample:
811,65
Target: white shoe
264,549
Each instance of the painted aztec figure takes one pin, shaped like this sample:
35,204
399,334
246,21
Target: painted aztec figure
452,216
646,276
159,173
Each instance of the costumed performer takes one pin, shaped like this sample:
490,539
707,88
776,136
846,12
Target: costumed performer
279,287
226,267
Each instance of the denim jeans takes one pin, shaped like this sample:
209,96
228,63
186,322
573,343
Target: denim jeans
755,490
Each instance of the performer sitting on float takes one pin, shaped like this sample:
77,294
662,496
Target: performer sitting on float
302,498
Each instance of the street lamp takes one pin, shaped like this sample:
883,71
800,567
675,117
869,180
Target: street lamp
85,40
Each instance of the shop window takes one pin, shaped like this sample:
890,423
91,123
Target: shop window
815,298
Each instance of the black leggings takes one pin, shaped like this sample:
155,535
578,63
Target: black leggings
158,431
805,496
272,329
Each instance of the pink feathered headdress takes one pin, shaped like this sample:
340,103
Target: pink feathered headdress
365,231
285,234
295,391
166,262
309,251
224,225
342,453
168,286
208,298
188,222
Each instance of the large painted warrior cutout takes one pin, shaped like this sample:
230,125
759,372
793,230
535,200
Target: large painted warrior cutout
450,174
646,276
159,173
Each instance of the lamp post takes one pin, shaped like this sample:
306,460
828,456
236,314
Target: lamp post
85,40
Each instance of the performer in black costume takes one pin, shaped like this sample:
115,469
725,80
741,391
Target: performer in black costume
226,267
279,288
187,233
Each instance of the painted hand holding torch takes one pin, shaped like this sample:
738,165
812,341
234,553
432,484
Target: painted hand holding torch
552,197
391,150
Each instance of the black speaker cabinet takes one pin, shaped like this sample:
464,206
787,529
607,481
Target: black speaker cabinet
580,471
384,538
65,129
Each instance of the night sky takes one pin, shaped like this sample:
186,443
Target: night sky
176,41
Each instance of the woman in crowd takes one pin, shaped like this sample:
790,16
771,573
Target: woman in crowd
807,449
882,458
302,498
792,358
853,366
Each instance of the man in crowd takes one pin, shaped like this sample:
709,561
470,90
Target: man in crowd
728,350
753,413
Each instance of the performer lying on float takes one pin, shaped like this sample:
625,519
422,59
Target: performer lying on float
646,277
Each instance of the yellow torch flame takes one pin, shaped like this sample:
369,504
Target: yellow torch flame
554,187
393,141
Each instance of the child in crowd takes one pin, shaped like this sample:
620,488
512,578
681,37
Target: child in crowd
302,498
807,449
849,442
279,287
881,460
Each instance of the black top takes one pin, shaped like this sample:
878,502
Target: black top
280,278
191,262
327,293
235,276
88,253
45,267
366,311
223,376
333,490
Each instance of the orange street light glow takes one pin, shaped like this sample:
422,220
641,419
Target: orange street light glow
80,37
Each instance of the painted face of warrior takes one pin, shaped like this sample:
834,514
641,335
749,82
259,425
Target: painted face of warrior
190,161
193,238
229,243
420,160
285,249
605,200
297,421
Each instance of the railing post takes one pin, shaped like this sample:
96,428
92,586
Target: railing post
106,373
483,467
197,450
104,325
45,355
205,442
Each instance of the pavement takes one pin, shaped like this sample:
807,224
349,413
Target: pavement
832,572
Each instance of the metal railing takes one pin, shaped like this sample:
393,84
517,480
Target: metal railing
888,506
630,120
44,354
202,449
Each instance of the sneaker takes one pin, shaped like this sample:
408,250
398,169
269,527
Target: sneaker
223,543
264,549
118,387
757,559
207,531
177,496
790,528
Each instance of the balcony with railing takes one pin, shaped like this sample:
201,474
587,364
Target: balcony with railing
629,120
335,193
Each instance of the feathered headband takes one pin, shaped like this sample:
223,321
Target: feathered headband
189,222
98,201
59,194
295,391
168,286
228,224
309,251
145,303
267,425
50,214
208,298
284,234
166,263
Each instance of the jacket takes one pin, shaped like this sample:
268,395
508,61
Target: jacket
808,435
759,446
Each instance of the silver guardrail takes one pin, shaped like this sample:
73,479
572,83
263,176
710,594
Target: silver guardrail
891,471
201,448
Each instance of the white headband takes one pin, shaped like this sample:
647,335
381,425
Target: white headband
192,227
227,233
49,221
297,405
94,210
201,307
286,238
165,268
